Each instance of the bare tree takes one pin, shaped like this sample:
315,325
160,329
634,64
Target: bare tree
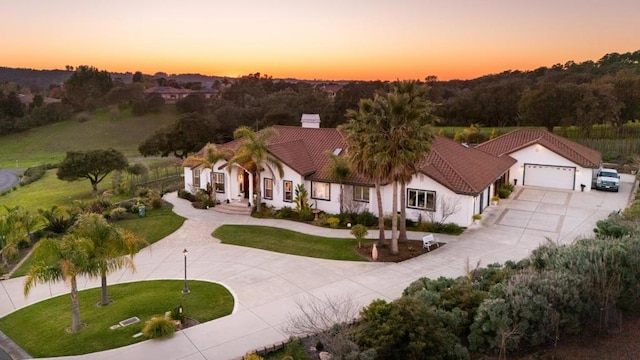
448,206
327,319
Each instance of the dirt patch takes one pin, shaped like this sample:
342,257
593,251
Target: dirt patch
406,250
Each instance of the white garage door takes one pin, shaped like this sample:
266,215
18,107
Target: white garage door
558,177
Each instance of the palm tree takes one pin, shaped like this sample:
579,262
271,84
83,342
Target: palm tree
362,138
388,136
253,154
64,259
29,221
414,113
113,249
340,171
10,236
211,156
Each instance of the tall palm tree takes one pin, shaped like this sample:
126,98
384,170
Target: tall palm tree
340,171
64,259
415,115
113,248
252,153
390,134
362,142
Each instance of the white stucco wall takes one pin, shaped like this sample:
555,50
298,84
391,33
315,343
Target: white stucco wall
538,154
466,205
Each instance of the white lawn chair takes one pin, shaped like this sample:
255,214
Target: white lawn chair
429,240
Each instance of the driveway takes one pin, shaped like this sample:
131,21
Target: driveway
8,179
268,287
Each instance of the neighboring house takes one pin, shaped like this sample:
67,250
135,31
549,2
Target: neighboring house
168,93
453,182
546,160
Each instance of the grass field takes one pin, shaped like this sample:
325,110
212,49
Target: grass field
288,242
49,144
40,328
50,191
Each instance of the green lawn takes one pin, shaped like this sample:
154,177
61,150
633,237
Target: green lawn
156,225
288,242
49,143
40,328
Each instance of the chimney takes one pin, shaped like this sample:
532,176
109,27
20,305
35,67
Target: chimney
310,121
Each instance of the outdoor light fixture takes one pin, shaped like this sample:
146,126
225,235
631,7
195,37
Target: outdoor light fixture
185,289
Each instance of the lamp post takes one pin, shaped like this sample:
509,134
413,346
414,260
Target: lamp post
185,289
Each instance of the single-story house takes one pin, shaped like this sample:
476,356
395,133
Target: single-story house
168,93
453,182
546,160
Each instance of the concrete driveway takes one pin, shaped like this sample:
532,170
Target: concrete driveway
268,287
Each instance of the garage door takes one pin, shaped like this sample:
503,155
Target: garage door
558,177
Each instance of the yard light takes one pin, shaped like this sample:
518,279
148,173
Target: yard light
185,289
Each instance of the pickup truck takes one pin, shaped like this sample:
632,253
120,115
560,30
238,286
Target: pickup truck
607,179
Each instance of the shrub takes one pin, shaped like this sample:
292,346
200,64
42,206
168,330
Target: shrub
286,213
252,357
184,194
366,218
359,232
437,227
333,222
158,327
33,174
118,213
306,214
503,193
156,202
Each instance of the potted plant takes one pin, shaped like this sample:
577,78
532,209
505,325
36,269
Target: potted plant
476,218
495,200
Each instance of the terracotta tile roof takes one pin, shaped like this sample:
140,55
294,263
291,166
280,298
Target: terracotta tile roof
462,169
522,138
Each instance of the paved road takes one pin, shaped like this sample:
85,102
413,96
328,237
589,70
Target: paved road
8,179
268,287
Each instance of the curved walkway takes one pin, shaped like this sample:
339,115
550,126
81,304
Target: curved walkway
269,286
8,179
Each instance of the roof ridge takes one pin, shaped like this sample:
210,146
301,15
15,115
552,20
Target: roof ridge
453,168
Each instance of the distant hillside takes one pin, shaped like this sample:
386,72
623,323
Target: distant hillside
49,143
44,78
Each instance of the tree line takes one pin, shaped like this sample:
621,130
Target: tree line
571,94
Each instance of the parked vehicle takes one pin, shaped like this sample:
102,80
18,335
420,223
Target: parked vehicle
608,179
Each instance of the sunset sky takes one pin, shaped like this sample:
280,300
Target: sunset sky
315,39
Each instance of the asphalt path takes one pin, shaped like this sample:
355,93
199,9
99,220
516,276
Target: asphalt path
8,179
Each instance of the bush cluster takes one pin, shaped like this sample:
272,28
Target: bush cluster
35,173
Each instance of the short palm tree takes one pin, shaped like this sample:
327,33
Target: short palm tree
211,155
253,154
113,248
340,172
64,259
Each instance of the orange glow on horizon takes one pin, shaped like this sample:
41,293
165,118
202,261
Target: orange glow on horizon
334,40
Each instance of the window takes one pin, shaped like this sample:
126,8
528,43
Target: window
320,190
196,177
268,188
288,190
421,199
218,178
361,193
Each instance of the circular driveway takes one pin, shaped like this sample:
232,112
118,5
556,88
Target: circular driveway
269,287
